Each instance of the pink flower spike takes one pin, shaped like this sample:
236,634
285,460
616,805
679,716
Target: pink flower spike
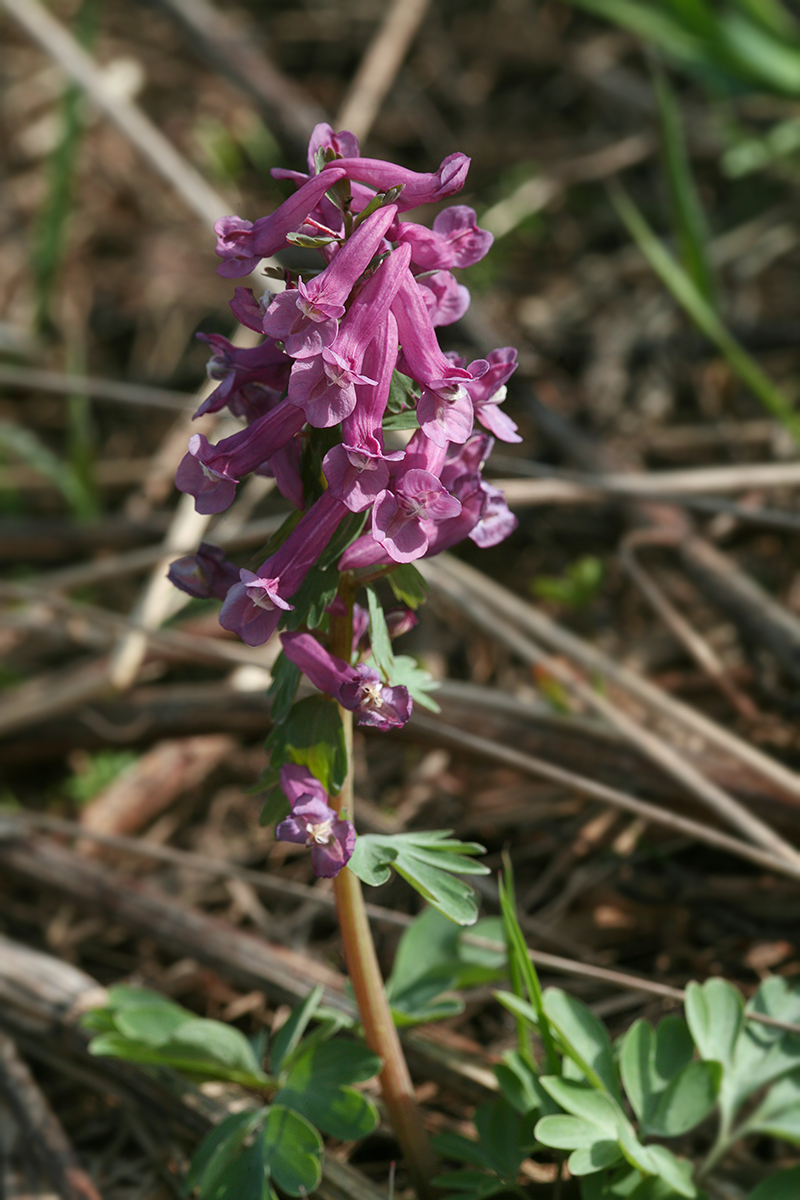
242,244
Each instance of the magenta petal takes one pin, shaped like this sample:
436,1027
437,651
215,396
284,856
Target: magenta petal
297,781
323,669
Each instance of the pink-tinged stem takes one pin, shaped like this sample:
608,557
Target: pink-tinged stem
380,1031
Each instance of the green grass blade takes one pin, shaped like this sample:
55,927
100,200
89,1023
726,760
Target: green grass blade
687,212
683,289
760,58
771,15
652,25
520,961
24,444
50,235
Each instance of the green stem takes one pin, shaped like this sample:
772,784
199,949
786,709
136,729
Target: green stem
362,963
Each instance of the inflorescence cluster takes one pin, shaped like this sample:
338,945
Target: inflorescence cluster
349,353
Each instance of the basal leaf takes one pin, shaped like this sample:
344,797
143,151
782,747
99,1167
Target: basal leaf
714,1011
687,1100
593,1158
584,1039
650,1058
785,1185
596,1107
218,1150
153,1024
568,1133
317,1086
779,1112
292,1151
286,1040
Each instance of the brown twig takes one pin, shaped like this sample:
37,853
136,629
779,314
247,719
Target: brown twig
379,66
562,641
448,577
59,43
42,1129
290,112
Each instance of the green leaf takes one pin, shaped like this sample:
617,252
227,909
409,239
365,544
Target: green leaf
425,966
312,736
650,1059
501,1134
407,419
519,1083
426,860
763,1053
287,1039
317,1086
715,1013
24,444
379,638
688,216
408,585
778,1115
584,1039
153,1024
568,1133
283,688
471,1185
409,674
785,1185
218,1150
683,289
402,393
198,1047
687,1100
593,1158
292,1151
596,1107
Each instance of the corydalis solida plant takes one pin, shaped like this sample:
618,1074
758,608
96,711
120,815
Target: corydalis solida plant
350,356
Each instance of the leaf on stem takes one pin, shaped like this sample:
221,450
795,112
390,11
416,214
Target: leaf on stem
428,861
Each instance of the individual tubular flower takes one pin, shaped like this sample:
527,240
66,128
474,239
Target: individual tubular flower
204,574
314,823
250,379
489,392
253,607
242,244
445,298
454,241
306,318
418,187
400,517
358,474
359,689
211,473
445,408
